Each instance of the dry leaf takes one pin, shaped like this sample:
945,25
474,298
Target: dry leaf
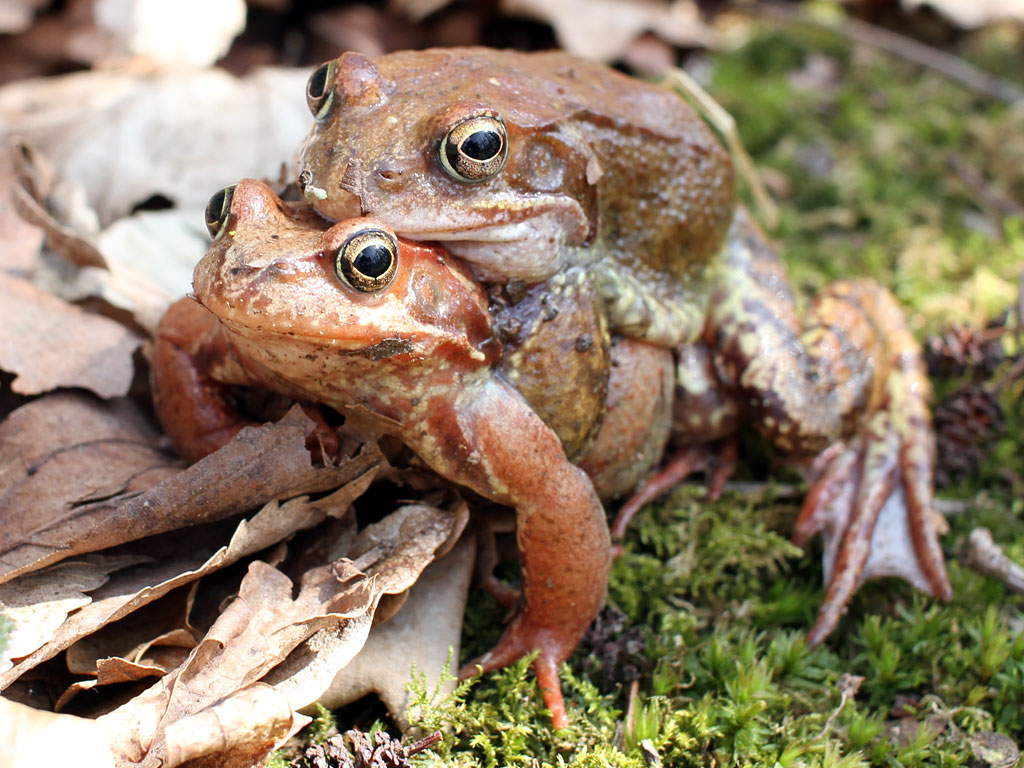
21,240
261,463
49,344
253,634
126,593
123,138
30,738
604,29
420,635
402,544
39,603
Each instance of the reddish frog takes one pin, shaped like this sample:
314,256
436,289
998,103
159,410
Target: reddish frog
503,393
399,337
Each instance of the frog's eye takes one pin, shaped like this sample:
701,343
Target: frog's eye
320,89
218,210
367,261
475,148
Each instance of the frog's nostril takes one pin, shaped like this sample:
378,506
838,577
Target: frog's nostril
391,179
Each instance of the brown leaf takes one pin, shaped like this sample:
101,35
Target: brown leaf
253,634
261,463
395,550
29,737
39,603
420,634
21,239
182,135
127,592
603,29
50,344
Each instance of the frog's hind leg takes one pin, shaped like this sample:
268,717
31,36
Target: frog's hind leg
845,381
872,499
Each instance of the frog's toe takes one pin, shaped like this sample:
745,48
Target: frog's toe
718,459
553,646
873,507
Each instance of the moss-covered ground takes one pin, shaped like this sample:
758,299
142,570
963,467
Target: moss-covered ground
885,169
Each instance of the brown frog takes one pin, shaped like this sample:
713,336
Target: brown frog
525,164
398,337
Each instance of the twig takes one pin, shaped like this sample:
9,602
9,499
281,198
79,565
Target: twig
906,48
987,557
848,686
767,210
988,196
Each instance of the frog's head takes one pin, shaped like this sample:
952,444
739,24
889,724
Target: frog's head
468,146
310,301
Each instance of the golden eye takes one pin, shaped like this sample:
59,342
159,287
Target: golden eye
368,260
320,89
475,148
218,210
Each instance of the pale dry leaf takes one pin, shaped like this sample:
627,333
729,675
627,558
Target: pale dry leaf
39,603
254,633
125,138
22,239
420,636
49,343
604,29
402,544
30,738
239,730
186,33
126,593
259,464
144,639
17,15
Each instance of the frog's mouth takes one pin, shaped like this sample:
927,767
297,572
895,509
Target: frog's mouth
531,249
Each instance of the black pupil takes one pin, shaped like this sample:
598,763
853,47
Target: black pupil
482,145
317,81
373,260
216,208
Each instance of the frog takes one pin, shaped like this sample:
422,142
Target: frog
402,341
491,386
524,164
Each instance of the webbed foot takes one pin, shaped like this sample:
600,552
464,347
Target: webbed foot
718,459
554,646
872,503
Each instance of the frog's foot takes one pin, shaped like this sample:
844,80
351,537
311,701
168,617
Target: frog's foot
554,646
717,459
872,504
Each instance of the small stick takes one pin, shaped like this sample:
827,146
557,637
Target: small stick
904,47
987,557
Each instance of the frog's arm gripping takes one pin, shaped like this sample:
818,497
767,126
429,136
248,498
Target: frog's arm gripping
848,385
499,447
192,371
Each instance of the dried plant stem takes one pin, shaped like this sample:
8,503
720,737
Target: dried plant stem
987,557
906,48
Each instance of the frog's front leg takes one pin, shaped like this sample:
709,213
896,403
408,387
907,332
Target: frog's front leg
846,383
491,440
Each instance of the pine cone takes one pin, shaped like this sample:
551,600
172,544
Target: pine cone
617,648
357,749
967,423
959,349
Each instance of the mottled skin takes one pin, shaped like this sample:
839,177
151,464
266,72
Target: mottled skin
602,171
420,360
494,392
622,179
